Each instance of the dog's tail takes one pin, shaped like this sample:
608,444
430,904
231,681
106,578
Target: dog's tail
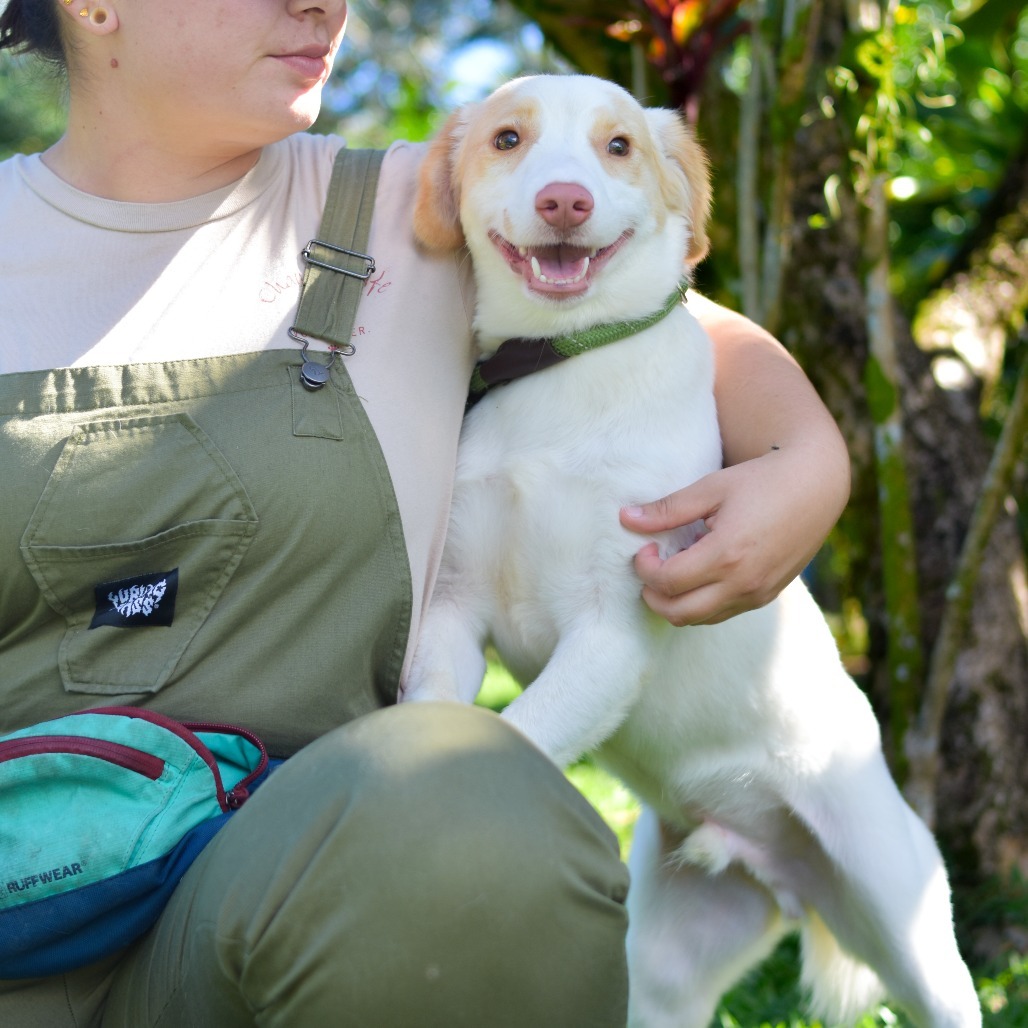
841,987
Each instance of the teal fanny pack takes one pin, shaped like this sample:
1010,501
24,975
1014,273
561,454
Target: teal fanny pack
101,813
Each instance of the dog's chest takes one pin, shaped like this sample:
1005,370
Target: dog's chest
622,424
546,462
626,415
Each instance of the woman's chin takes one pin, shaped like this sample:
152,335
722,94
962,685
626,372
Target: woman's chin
305,108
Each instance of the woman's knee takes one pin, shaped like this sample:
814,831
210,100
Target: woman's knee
446,795
452,866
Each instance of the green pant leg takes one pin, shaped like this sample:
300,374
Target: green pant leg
422,866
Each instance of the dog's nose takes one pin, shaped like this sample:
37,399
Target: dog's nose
564,204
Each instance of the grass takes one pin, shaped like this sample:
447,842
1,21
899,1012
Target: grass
769,996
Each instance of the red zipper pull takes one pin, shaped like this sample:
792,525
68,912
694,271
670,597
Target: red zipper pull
236,797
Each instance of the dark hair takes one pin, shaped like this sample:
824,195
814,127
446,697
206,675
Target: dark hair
32,26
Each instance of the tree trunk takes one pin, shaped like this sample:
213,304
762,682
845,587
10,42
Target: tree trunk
981,799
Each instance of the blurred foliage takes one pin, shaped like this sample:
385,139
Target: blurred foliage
942,91
31,112
939,98
770,996
1004,994
403,66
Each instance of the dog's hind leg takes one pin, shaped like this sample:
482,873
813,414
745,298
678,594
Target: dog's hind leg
692,934
883,894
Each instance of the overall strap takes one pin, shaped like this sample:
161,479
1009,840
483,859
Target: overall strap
336,266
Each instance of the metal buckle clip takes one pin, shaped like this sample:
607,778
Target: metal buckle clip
314,374
369,269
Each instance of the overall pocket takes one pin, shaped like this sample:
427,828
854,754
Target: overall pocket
139,529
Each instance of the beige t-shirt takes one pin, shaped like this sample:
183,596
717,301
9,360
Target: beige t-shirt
86,281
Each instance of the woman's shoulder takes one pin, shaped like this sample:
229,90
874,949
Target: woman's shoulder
312,146
13,174
20,210
402,158
308,158
306,161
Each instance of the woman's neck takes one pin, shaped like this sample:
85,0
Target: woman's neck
138,171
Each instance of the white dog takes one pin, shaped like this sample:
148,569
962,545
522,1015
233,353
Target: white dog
770,804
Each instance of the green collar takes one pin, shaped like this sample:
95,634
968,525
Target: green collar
518,357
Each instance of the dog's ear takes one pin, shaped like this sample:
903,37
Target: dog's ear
437,202
687,158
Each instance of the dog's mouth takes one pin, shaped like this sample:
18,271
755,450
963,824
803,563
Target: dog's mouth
558,269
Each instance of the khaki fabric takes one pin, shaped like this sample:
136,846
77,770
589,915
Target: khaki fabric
91,282
417,866
273,505
422,867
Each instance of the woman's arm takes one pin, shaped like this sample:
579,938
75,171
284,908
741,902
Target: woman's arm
785,482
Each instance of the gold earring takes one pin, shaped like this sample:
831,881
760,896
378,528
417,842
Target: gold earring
84,13
98,16
67,3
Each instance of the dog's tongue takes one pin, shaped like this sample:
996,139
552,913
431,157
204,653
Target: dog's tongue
556,268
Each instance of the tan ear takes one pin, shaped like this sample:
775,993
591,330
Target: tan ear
437,201
92,16
688,157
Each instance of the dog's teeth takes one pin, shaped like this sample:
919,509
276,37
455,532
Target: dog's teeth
537,272
522,252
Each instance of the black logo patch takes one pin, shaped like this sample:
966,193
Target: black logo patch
137,602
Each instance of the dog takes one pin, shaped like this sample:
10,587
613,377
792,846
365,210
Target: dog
767,803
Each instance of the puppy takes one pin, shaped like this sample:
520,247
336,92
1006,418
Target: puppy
768,804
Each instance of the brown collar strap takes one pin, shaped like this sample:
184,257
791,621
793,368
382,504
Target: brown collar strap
516,358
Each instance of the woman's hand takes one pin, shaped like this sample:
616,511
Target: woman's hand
768,512
761,532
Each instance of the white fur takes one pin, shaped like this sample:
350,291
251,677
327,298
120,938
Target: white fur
770,804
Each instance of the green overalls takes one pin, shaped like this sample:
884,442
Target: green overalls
267,511
210,539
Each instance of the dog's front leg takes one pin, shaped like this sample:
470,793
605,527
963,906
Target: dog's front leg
449,663
585,691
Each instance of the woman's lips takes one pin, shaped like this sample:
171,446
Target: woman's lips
309,64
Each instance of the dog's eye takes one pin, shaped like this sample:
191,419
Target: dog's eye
618,147
507,140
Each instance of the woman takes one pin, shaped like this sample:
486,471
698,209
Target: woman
419,864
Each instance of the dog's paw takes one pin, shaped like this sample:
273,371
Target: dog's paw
713,847
710,847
